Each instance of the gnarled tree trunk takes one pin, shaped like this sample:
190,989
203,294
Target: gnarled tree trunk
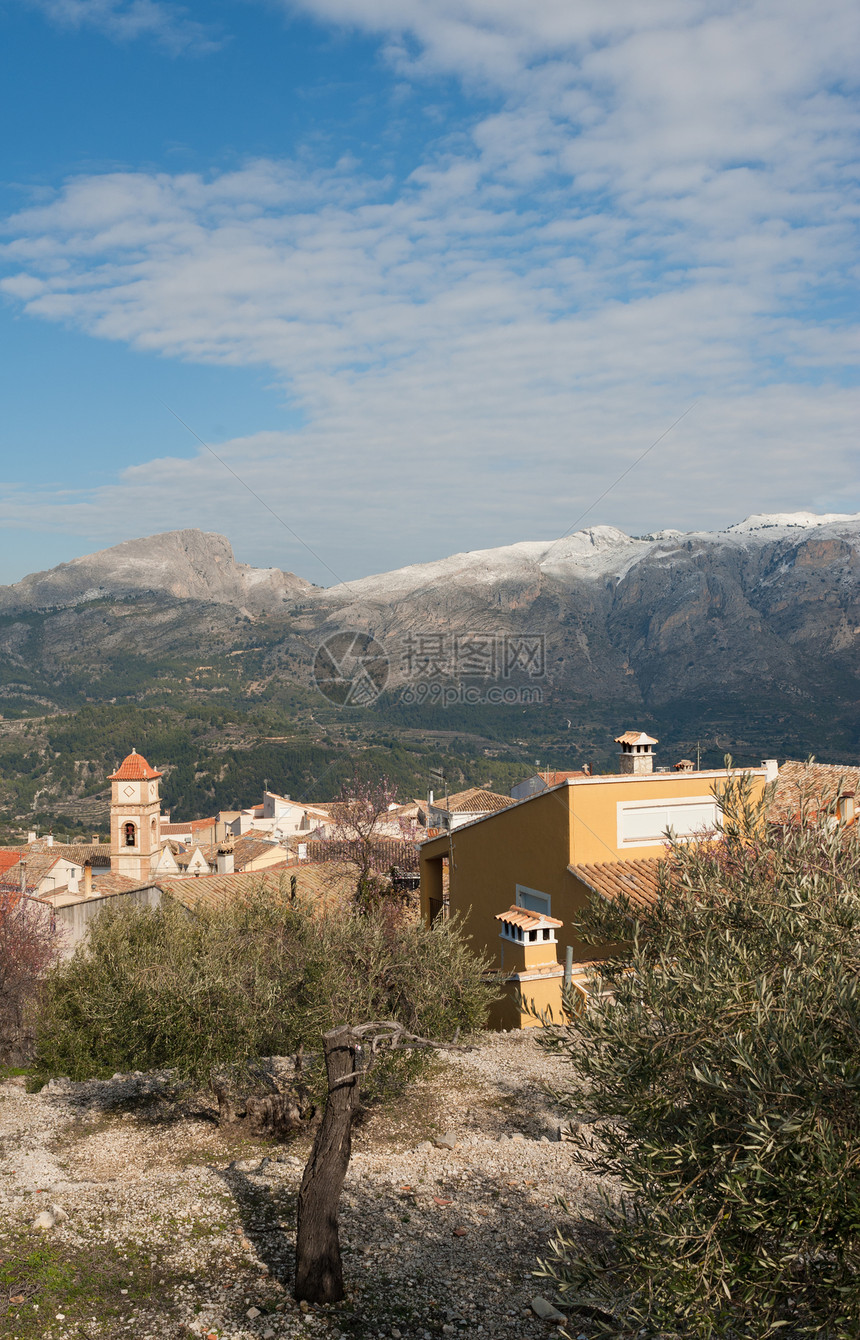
319,1271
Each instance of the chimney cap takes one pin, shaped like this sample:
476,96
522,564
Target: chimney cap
631,737
527,917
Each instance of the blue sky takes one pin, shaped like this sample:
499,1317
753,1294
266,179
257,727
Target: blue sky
427,274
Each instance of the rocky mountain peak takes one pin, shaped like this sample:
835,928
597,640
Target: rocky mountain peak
185,564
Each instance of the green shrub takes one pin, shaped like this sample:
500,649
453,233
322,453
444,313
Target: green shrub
723,1069
159,988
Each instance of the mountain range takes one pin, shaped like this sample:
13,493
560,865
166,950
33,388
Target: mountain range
757,623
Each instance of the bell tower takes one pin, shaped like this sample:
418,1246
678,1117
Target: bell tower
135,818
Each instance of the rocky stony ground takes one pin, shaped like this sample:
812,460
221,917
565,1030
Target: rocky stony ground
156,1224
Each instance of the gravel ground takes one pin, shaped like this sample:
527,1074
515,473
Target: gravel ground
165,1228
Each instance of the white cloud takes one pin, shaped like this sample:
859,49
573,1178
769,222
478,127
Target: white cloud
128,20
659,208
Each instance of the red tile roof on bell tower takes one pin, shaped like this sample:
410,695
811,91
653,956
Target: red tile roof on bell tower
134,768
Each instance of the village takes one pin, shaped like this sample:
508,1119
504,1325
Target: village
519,868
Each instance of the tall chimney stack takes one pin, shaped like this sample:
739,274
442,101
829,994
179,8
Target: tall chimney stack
637,753
225,861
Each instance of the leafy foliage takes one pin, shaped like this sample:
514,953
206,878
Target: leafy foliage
156,988
215,756
722,1065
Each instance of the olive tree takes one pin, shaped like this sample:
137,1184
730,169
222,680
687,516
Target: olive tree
350,1053
718,1070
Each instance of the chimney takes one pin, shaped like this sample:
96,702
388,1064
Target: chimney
302,851
88,880
225,862
637,756
95,839
846,807
31,836
49,840
771,769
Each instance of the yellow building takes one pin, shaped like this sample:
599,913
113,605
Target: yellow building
548,852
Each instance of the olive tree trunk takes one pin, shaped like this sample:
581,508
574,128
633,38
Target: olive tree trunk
319,1271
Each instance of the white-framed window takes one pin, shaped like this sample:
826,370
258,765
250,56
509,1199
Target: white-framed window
534,900
642,823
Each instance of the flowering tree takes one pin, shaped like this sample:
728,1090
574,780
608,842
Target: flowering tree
361,834
29,944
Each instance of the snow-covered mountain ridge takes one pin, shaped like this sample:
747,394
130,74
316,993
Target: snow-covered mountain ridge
200,565
761,618
592,554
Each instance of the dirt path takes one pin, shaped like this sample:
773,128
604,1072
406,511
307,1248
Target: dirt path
165,1228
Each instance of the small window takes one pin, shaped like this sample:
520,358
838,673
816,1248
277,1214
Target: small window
534,900
532,935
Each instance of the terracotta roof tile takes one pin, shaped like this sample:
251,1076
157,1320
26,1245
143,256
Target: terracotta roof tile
245,849
637,881
8,859
97,853
104,886
387,852
474,801
635,737
34,868
319,883
134,768
811,786
526,917
107,884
